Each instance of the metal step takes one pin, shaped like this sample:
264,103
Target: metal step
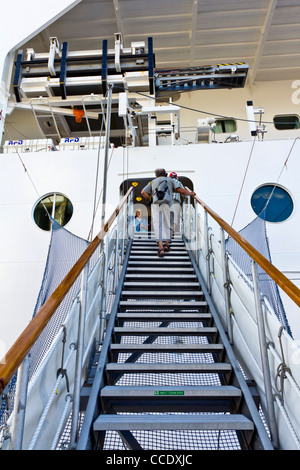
170,398
152,244
151,236
174,304
162,276
168,331
166,294
199,348
159,269
161,284
170,256
173,422
191,391
171,317
152,251
167,261
168,368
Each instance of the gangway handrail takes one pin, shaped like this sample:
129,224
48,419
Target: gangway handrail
19,350
281,280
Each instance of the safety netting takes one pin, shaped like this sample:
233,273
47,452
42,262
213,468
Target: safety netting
64,250
256,234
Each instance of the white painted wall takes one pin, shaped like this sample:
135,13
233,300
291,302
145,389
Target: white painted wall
278,97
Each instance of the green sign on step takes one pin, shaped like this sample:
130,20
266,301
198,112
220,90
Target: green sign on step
168,392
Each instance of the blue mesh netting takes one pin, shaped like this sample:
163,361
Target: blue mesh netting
64,250
256,234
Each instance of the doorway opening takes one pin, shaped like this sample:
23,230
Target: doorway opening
140,203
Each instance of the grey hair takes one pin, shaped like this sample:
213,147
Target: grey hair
160,172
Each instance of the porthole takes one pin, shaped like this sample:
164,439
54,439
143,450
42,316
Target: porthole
286,122
58,206
272,203
225,126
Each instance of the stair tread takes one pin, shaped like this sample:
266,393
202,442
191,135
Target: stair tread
149,268
178,347
162,293
185,390
169,367
165,304
160,263
150,256
136,250
166,276
172,422
161,284
159,331
152,316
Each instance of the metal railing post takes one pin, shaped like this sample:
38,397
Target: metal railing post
79,355
17,428
124,214
226,285
104,292
207,254
264,358
116,263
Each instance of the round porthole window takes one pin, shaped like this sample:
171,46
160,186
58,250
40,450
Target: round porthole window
56,205
272,203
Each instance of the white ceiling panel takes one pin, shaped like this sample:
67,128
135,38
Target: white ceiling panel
230,19
136,9
231,5
283,47
225,50
228,36
284,32
264,33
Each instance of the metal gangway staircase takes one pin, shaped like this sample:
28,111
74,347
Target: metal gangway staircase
166,364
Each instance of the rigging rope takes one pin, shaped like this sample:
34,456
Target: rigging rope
100,194
97,174
244,178
28,174
276,184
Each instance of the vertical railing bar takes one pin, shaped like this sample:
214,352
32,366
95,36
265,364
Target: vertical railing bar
207,255
17,428
264,357
116,264
226,286
105,277
79,355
